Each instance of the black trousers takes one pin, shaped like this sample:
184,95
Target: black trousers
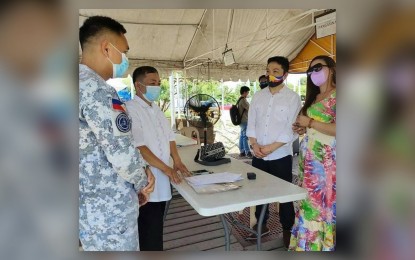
281,168
150,226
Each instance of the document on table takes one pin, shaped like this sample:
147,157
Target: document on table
213,188
214,178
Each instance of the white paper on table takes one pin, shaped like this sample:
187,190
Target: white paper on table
223,177
214,188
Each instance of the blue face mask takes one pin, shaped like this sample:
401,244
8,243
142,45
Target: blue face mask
118,70
153,93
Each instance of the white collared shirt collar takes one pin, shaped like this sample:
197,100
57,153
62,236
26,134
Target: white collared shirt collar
142,102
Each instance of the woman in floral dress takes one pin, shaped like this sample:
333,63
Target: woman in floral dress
315,222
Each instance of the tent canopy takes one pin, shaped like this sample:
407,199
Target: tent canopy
313,48
193,40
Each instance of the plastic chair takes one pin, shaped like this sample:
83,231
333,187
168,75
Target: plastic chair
191,132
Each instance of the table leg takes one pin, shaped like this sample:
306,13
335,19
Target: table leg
227,234
259,231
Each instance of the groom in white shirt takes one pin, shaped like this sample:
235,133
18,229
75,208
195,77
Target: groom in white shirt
272,112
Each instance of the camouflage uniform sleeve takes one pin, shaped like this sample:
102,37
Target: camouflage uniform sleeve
116,144
138,187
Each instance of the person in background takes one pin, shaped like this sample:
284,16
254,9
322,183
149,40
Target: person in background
112,173
156,142
273,110
263,81
243,108
315,222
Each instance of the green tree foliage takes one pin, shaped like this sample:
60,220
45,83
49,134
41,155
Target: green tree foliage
164,101
303,84
303,81
230,97
214,89
191,88
205,87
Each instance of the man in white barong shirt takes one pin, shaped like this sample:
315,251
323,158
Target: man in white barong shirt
156,142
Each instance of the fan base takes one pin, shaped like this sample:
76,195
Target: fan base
215,162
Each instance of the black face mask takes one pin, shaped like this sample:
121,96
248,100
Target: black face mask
263,85
275,81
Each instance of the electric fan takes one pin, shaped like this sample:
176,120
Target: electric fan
202,111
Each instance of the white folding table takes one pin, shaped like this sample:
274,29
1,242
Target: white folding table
264,190
182,140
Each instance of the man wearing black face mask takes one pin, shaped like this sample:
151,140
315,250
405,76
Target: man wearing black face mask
273,110
263,81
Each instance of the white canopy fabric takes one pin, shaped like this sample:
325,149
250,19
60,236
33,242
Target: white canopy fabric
193,40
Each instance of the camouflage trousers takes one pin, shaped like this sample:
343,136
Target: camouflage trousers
111,239
108,226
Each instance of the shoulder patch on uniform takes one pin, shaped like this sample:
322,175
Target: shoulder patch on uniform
118,105
123,122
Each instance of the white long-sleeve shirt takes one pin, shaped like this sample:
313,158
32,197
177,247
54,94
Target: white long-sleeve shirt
270,119
151,128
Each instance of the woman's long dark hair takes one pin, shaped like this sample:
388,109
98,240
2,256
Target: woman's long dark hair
313,90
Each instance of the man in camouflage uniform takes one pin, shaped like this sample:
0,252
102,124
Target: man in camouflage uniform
112,172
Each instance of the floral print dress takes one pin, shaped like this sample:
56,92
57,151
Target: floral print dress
315,222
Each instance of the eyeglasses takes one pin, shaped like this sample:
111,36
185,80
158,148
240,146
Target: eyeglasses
315,68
